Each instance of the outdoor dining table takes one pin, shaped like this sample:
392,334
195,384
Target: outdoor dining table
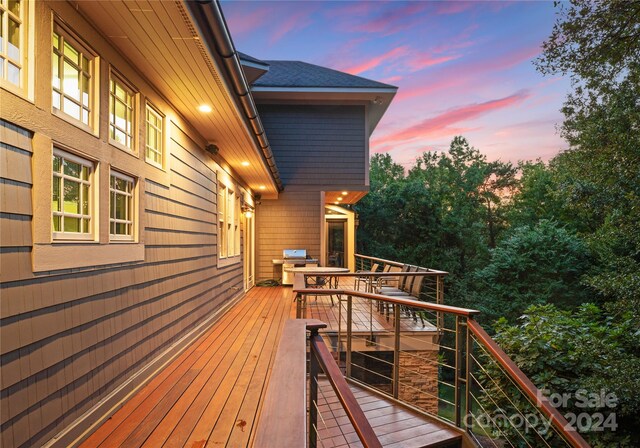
321,272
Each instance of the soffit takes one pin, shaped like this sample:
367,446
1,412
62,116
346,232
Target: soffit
158,39
339,198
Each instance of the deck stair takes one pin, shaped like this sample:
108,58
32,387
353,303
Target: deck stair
396,426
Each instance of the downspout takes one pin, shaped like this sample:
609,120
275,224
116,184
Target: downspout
210,21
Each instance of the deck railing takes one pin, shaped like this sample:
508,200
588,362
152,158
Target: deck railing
451,370
320,359
432,286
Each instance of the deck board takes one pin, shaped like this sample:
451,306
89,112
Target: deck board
211,393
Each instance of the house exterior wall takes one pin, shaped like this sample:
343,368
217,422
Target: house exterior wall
321,146
317,148
70,336
294,221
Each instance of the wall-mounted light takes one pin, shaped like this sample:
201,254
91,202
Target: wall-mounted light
247,210
213,149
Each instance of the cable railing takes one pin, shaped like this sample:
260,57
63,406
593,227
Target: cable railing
321,360
448,367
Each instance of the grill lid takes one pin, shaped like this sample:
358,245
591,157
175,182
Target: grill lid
294,253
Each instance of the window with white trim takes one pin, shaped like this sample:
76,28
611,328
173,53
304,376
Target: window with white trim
72,66
154,143
222,221
71,199
121,202
13,37
236,225
122,113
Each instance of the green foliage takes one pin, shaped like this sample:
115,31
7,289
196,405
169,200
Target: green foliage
564,352
598,45
536,264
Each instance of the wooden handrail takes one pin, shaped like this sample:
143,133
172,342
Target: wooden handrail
428,273
389,299
390,262
557,419
284,417
343,392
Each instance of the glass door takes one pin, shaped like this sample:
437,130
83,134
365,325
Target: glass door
336,242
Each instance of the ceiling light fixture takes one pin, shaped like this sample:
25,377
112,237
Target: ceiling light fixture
205,108
262,187
339,199
245,163
344,193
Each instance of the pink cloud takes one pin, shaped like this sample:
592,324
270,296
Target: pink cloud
246,22
376,61
382,20
465,72
446,8
296,21
422,62
441,125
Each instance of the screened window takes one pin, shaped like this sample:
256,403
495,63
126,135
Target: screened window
121,113
222,218
154,137
71,200
12,40
121,188
72,67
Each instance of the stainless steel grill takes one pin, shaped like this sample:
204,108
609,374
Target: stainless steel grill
294,258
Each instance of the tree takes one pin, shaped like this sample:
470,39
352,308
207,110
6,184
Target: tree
598,44
585,352
536,264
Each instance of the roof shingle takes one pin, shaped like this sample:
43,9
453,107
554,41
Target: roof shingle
302,74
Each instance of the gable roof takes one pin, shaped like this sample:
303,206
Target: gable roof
292,74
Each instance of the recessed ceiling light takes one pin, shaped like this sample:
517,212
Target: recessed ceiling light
339,199
205,108
245,163
344,193
262,187
337,203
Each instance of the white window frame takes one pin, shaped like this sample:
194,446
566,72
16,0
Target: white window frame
89,72
222,221
236,224
21,61
130,219
131,140
62,235
150,110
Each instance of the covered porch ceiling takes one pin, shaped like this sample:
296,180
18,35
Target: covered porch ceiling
343,197
159,39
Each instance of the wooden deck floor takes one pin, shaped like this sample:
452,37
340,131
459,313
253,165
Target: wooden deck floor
395,426
366,319
210,395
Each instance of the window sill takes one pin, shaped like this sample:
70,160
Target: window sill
228,261
74,122
123,148
78,254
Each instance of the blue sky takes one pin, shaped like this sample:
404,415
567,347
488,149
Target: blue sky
462,68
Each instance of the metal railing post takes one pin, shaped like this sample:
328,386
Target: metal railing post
314,369
396,350
349,334
458,362
467,407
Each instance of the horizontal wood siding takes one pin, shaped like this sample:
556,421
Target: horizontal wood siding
291,222
317,145
68,338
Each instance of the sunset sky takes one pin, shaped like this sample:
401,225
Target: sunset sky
462,68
